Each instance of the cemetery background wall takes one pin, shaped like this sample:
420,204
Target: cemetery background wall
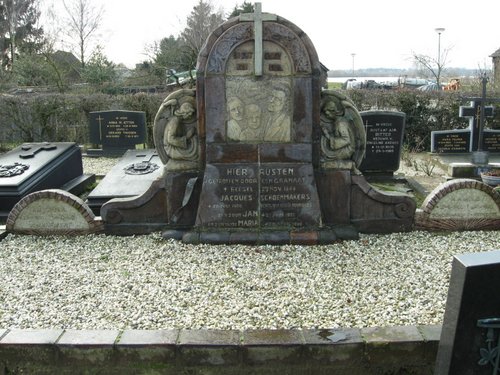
64,117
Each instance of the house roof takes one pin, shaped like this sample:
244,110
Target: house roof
496,53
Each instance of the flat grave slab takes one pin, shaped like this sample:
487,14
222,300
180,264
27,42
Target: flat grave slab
131,176
37,166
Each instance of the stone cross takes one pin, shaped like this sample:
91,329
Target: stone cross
32,151
477,112
258,17
99,118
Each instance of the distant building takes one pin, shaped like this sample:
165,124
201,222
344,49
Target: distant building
67,63
496,66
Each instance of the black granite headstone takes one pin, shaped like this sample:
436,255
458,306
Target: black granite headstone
131,176
37,166
469,338
451,141
116,131
491,141
384,138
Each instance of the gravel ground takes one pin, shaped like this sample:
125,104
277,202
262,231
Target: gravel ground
145,282
98,166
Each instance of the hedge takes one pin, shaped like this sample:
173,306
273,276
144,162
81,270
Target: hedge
64,117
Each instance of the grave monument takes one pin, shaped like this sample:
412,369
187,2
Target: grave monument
116,131
384,140
475,138
33,167
259,153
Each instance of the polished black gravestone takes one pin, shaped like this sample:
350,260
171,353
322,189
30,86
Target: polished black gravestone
131,176
384,139
475,138
470,336
37,166
451,141
116,131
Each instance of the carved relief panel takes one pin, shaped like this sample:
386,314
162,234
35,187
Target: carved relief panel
259,109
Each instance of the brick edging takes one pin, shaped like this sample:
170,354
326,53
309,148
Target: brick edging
407,347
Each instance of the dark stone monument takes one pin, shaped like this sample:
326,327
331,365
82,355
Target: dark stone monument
37,166
384,140
471,329
116,131
451,141
258,153
475,138
130,177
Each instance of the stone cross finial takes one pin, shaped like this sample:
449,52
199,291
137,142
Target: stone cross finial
258,17
30,150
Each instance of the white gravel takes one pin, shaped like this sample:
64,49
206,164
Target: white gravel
98,166
145,282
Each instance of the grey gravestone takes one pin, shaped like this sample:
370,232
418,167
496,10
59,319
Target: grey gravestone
37,166
469,342
116,131
131,176
384,140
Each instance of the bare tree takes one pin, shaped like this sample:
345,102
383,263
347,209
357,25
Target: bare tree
82,23
432,65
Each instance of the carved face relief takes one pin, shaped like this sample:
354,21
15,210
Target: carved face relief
259,110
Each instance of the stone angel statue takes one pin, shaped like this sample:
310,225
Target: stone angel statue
174,131
343,138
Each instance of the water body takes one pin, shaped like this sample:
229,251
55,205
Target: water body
363,78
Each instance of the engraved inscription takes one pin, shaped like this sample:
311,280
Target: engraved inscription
491,141
62,215
466,204
453,142
258,196
382,138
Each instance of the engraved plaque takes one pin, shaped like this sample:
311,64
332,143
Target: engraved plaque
270,195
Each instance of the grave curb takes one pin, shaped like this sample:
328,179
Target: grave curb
346,350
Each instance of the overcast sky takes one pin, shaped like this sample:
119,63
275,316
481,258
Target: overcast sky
381,33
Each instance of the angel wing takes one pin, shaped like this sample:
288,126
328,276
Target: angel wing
350,113
165,112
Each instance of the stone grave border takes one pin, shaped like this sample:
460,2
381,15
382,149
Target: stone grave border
57,195
343,351
423,219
